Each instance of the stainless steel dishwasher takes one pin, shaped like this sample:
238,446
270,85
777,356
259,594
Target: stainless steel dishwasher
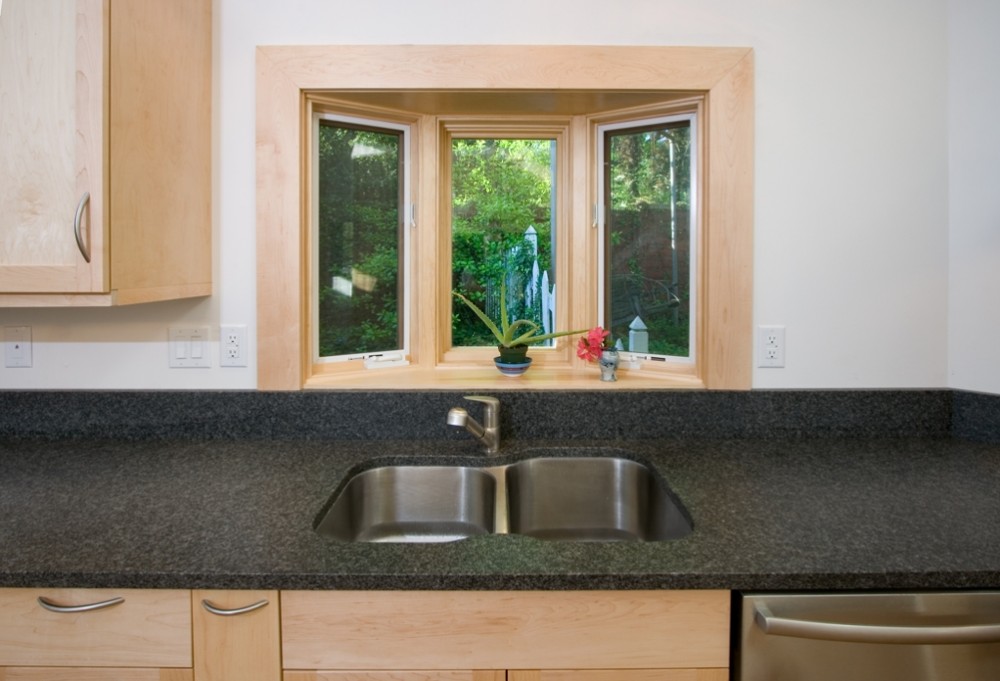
935,636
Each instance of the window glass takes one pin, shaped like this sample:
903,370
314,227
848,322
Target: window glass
503,235
358,260
648,241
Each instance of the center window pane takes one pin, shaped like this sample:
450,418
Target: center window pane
503,234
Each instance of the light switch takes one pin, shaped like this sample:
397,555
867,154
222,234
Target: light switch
187,347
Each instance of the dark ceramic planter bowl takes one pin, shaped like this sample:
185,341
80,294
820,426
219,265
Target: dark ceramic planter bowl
513,355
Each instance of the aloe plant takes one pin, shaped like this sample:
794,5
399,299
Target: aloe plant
512,333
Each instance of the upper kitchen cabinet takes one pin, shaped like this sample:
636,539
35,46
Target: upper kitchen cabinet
105,151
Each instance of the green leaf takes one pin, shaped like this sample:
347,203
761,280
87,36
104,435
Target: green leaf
482,315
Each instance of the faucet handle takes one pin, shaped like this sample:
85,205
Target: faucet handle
491,413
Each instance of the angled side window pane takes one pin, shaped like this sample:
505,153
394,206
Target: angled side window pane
503,233
647,175
360,189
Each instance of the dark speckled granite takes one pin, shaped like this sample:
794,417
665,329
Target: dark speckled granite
803,514
787,489
420,415
976,416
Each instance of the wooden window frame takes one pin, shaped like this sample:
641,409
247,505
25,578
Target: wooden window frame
317,104
723,77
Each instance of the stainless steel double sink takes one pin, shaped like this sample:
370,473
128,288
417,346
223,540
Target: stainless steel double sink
576,498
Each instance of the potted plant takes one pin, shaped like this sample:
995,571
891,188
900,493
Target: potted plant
513,337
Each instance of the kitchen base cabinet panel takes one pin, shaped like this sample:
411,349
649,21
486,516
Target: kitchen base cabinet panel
84,674
618,675
416,630
239,640
148,628
396,676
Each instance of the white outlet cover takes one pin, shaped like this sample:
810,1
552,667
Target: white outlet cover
17,347
770,346
233,348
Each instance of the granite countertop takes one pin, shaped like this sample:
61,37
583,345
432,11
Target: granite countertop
801,513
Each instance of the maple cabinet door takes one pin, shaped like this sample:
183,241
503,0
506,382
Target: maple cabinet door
52,146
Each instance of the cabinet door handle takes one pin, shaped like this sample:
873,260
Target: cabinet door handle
225,612
77,226
86,607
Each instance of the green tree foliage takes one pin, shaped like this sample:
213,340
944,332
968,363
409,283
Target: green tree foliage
650,173
500,187
641,161
359,227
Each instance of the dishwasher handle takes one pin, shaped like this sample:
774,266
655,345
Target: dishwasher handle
774,625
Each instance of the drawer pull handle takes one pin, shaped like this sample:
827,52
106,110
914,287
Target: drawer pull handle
86,607
77,224
225,612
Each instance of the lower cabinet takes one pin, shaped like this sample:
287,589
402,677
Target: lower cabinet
178,635
95,635
620,675
520,675
512,636
92,674
236,636
138,635
397,676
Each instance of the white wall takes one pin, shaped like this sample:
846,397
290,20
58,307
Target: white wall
974,208
851,176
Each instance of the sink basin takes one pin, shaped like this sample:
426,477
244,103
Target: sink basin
412,504
575,498
590,499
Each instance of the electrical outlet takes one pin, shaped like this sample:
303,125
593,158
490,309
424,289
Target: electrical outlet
233,348
17,346
771,346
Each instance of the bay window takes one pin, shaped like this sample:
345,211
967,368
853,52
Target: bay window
617,194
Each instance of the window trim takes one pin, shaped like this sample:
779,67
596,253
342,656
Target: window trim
724,76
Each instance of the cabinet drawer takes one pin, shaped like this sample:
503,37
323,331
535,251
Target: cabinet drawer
397,676
149,628
93,674
504,630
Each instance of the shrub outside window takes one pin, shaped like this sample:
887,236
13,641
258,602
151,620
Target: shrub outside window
649,238
361,183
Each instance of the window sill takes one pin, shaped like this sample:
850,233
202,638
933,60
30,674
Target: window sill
488,378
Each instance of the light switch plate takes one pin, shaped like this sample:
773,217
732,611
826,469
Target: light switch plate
188,347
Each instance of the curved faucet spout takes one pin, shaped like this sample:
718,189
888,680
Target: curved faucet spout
488,434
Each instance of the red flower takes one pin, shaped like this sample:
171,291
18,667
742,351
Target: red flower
589,347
